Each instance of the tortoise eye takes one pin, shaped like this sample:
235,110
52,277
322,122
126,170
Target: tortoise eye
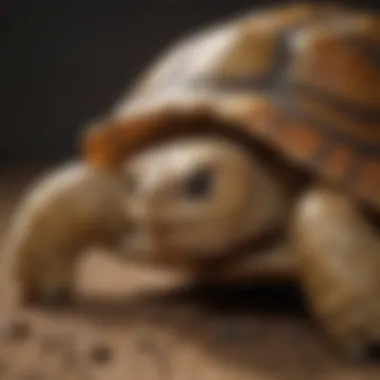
199,184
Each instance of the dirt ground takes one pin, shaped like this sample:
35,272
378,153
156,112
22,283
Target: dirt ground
139,323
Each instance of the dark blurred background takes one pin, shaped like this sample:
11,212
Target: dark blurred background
65,62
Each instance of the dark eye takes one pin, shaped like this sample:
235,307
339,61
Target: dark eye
199,184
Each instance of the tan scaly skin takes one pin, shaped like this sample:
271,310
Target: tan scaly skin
68,210
183,203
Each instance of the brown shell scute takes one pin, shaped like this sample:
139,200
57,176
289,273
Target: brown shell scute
343,62
304,79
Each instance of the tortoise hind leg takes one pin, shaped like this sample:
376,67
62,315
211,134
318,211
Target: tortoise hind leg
339,263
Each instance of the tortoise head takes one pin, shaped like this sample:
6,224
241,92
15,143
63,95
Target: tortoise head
195,197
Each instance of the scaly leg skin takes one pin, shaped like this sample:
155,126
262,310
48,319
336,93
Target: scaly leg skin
63,214
339,261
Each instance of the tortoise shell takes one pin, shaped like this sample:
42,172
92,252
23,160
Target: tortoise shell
304,79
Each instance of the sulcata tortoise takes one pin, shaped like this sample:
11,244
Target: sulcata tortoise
250,149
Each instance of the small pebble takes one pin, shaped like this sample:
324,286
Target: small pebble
18,330
100,354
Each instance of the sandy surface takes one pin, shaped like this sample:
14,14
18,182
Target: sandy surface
137,323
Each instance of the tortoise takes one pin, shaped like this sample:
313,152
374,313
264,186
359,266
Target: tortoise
249,149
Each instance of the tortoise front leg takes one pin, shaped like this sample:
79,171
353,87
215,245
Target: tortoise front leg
339,261
58,219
